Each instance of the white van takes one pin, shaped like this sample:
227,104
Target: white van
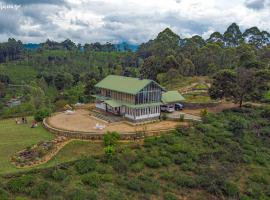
167,108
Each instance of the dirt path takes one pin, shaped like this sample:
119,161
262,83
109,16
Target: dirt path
216,109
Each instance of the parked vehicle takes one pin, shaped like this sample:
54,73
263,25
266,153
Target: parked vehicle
167,108
178,106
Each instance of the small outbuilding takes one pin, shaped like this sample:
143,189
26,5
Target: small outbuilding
169,99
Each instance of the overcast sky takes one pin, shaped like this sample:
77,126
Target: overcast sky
134,21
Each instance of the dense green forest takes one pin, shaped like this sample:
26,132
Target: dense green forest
227,156
58,73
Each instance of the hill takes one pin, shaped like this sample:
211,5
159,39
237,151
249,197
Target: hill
225,157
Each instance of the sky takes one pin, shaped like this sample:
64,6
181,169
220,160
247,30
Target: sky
133,21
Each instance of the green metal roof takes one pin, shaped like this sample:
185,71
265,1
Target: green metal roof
113,103
100,97
143,105
123,84
172,97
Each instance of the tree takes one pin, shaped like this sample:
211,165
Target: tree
237,85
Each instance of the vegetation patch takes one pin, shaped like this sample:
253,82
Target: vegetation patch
39,153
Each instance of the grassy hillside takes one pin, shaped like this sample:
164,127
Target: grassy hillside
227,156
14,138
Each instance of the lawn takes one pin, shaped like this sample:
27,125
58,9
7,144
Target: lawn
75,150
14,138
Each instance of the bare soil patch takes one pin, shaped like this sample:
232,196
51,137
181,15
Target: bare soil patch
82,121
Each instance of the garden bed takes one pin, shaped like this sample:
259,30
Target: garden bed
39,153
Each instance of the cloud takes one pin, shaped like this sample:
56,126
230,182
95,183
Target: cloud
135,21
255,4
28,2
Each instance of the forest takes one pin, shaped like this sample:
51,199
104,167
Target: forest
60,73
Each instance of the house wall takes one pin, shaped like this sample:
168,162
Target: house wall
120,96
100,105
150,94
142,113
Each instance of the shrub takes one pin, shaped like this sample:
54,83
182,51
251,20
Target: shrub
76,194
184,181
21,198
115,194
150,186
20,184
266,112
152,162
3,195
231,190
41,114
92,179
150,141
165,160
137,167
182,130
164,116
134,184
237,125
111,138
40,189
120,165
169,196
204,113
59,175
181,117
109,150
85,165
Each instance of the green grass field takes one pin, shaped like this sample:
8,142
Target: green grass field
14,138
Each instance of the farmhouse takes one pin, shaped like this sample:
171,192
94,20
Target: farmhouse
133,98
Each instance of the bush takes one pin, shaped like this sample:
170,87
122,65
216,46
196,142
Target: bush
204,113
237,125
120,165
266,112
165,161
111,138
184,181
3,195
169,196
231,190
152,162
59,175
92,179
164,116
134,184
181,117
41,114
109,151
85,165
40,189
137,167
76,194
20,184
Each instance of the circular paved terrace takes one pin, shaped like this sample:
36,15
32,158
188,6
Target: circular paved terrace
81,121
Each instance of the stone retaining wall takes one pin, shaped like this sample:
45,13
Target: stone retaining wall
99,136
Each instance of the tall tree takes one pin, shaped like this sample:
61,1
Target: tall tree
239,85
